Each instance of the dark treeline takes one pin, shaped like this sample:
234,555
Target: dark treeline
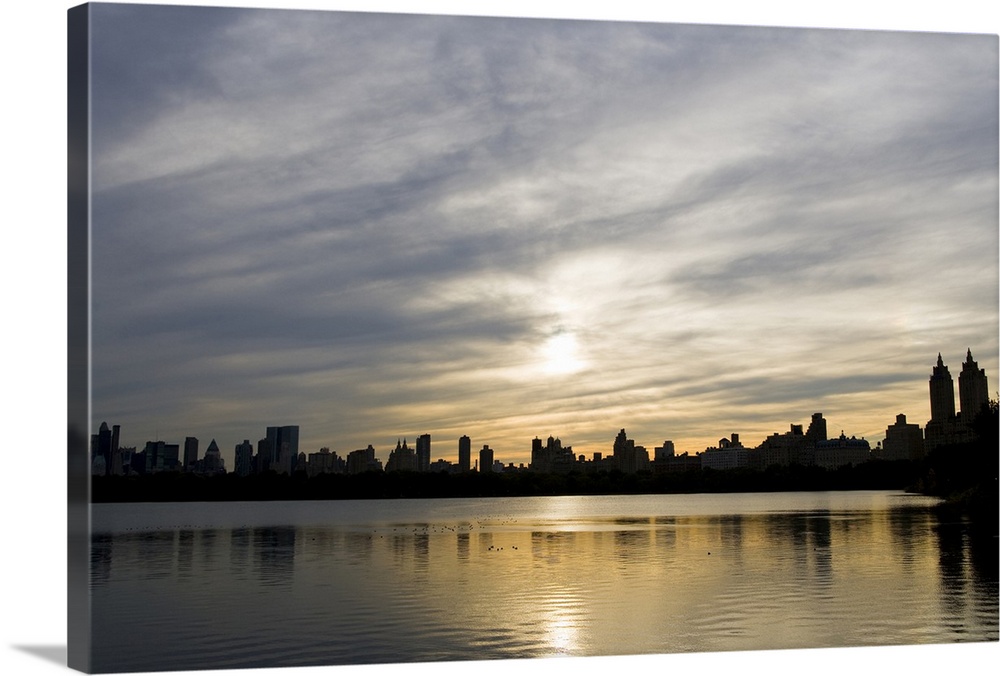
966,475
177,487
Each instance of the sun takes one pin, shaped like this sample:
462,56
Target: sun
561,355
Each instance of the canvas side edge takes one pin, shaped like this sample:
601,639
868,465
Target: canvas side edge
79,628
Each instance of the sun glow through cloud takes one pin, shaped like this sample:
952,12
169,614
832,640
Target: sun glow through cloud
561,355
508,228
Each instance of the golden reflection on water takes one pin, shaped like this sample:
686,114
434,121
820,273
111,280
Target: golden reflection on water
558,582
559,619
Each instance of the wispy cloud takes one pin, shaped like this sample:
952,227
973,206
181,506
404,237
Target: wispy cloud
374,225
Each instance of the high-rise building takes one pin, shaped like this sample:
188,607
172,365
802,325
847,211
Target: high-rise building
486,459
104,454
171,457
286,459
903,441
325,462
973,389
791,448
662,453
262,461
161,456
244,458
283,443
101,447
666,459
123,462
729,454
116,459
363,460
213,463
152,454
552,457
423,452
190,452
464,454
401,459
539,463
817,428
628,457
942,390
940,429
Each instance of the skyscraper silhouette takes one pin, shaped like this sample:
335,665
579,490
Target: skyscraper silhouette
190,452
423,452
213,459
942,389
628,457
973,389
464,454
100,447
903,441
486,459
817,428
244,458
283,445
116,458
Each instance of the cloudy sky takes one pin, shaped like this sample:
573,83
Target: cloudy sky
376,226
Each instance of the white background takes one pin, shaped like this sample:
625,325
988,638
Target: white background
33,329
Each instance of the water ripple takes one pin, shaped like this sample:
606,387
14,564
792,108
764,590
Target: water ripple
463,581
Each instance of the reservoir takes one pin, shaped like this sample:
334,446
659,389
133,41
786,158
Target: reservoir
178,586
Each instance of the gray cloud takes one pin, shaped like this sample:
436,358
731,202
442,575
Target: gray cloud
369,222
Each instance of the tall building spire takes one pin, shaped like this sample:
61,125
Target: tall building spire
942,391
973,389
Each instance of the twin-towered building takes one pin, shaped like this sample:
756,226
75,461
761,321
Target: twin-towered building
946,426
402,458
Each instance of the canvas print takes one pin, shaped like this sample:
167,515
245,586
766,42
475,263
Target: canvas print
421,338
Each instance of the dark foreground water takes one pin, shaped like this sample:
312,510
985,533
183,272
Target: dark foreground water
182,586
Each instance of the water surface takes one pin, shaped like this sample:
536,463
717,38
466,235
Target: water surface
252,584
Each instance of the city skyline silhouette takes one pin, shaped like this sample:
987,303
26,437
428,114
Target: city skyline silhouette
951,422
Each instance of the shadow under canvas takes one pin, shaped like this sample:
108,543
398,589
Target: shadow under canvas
50,653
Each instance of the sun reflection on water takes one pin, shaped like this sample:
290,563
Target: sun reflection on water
560,613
